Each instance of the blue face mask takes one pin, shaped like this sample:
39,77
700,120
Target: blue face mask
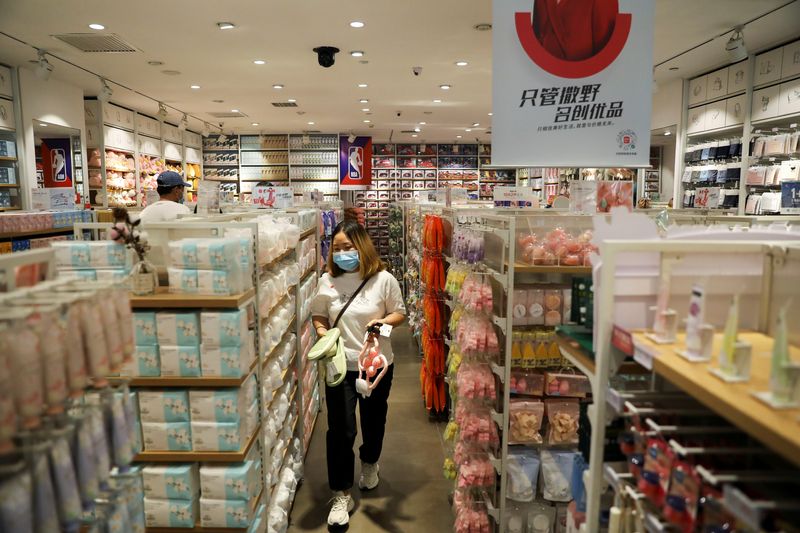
347,261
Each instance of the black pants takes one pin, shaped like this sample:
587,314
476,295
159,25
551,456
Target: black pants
342,430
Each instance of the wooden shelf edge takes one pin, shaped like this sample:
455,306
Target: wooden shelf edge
191,456
576,354
186,382
522,268
163,299
23,234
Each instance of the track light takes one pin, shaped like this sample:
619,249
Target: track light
351,138
204,132
44,68
162,111
105,91
184,123
222,137
737,51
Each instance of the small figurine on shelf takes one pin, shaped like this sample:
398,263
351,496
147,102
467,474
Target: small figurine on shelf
144,278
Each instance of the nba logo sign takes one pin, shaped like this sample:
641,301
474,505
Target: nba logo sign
356,161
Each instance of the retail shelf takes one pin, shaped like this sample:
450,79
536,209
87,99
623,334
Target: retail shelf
308,233
188,383
279,303
522,268
9,185
284,374
6,158
776,428
199,529
165,299
33,233
265,165
189,457
264,150
716,132
578,356
271,264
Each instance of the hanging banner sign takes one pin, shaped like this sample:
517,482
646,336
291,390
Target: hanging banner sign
571,82
57,162
355,163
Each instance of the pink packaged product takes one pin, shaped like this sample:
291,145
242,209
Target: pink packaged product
476,381
526,383
569,385
553,300
525,417
563,417
476,426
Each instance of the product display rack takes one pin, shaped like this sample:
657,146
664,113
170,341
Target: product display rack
127,150
733,402
10,193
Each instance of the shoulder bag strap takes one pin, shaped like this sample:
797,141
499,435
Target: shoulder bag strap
353,297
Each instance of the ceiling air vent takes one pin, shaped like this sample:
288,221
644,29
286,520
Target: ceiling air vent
284,104
92,42
308,132
408,131
226,114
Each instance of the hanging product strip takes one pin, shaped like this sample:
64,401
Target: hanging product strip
67,437
432,277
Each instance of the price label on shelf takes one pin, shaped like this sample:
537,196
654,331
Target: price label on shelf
790,198
643,355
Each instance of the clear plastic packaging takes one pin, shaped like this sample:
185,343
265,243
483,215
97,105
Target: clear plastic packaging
563,418
569,385
525,418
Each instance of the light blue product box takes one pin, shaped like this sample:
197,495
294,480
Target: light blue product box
113,275
144,324
109,254
182,280
148,363
213,254
225,513
180,361
235,482
225,361
178,329
170,513
220,282
216,405
74,254
164,406
167,436
86,274
183,253
226,328
217,436
172,482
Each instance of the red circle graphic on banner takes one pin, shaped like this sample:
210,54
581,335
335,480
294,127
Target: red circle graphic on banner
573,69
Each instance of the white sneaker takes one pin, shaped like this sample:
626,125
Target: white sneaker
369,476
340,510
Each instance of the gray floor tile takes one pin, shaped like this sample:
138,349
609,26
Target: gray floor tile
413,495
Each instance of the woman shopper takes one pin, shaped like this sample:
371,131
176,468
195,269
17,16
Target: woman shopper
354,264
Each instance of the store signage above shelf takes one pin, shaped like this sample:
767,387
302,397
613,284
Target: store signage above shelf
355,163
566,100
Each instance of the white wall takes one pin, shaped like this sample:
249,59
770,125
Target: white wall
50,101
668,105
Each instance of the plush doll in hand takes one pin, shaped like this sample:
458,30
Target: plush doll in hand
370,362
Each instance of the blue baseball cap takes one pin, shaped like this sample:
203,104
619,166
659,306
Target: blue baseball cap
171,179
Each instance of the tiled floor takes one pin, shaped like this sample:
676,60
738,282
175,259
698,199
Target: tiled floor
413,494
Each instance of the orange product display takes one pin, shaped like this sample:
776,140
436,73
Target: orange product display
433,277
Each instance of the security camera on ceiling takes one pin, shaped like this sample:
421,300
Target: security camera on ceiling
326,55
417,71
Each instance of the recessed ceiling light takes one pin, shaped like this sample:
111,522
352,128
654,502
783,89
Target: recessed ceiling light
490,114
414,135
422,123
365,109
458,136
485,26
437,101
226,25
417,130
42,124
277,86
363,101
155,63
356,24
467,129
461,63
667,132
291,100
218,101
445,87
357,53
259,61
366,121
234,110
171,72
475,124
362,85
194,86
254,123
96,26
310,123
673,68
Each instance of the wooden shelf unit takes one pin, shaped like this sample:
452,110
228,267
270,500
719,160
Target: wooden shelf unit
163,299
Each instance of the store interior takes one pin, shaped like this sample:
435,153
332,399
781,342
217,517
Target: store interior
586,348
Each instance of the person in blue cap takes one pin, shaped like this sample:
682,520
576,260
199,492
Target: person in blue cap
170,187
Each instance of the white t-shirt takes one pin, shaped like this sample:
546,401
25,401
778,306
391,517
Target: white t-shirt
163,211
379,297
